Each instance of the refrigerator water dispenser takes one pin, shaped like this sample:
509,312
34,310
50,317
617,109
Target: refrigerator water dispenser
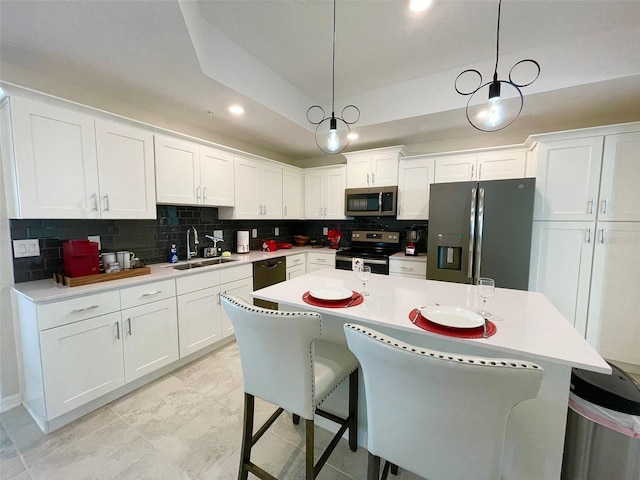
450,251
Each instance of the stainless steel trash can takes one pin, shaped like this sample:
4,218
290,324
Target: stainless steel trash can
602,439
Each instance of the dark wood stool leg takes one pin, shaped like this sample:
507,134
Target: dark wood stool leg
296,419
394,469
373,467
309,431
247,433
353,410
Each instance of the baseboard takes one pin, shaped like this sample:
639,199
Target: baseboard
12,401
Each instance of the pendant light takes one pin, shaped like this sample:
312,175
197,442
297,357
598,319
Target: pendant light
332,133
496,104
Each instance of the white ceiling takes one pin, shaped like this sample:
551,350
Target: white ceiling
182,59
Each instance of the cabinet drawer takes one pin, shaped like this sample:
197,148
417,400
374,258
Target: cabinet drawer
236,273
68,311
147,293
322,258
411,268
198,281
295,260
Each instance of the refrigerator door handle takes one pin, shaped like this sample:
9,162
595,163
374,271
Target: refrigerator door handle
472,232
478,255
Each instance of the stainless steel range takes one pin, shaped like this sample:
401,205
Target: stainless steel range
374,247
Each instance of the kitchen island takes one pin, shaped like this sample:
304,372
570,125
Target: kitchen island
529,327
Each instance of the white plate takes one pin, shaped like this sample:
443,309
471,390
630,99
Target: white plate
331,293
454,317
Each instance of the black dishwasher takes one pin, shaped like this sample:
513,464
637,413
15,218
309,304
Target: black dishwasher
266,273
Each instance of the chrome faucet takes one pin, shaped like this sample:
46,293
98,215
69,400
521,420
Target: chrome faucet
215,241
194,253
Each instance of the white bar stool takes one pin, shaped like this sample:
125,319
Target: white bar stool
439,415
285,363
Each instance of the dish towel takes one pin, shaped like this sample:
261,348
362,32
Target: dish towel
356,263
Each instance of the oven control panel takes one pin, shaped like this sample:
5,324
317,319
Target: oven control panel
378,237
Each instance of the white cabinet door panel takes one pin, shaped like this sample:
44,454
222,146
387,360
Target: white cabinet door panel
199,319
415,177
292,195
313,186
336,182
501,165
241,289
248,189
150,337
272,192
177,171
216,177
614,322
81,362
619,187
56,163
126,171
384,170
568,179
359,171
455,168
561,255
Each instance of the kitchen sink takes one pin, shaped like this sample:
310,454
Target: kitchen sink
204,263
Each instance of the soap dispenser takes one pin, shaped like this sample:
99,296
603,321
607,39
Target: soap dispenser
173,256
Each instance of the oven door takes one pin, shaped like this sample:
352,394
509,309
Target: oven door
378,265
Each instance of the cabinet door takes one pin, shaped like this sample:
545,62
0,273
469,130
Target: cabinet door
271,178
614,324
56,163
384,170
81,361
568,179
241,289
619,192
561,256
456,168
415,177
150,337
216,177
199,319
293,272
248,189
126,171
333,199
501,165
359,171
177,171
292,197
313,190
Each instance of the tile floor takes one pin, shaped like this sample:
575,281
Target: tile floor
184,426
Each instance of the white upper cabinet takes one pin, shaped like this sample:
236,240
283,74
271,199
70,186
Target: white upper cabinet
292,195
258,191
191,174
125,171
415,176
324,192
481,166
619,186
67,164
373,168
568,179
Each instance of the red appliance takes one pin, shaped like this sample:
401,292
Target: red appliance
81,258
284,245
269,245
334,237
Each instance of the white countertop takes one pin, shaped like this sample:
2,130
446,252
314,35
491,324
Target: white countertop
527,323
42,291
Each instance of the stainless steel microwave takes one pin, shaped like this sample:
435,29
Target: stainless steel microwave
373,201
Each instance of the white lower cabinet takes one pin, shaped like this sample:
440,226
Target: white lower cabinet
150,337
317,260
409,268
81,361
199,319
239,288
296,265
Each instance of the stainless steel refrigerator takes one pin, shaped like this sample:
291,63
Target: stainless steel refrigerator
481,229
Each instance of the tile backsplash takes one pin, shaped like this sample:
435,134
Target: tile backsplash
151,240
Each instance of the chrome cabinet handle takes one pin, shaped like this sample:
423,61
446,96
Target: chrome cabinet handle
264,209
472,167
605,203
117,330
588,235
479,171
204,194
95,202
406,268
590,207
198,192
129,324
219,297
77,310
325,211
285,209
472,232
373,179
148,294
602,235
368,179
106,203
320,211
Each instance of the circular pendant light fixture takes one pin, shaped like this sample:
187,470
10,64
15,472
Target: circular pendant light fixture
332,133
495,105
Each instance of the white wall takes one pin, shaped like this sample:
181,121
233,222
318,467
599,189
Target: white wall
9,378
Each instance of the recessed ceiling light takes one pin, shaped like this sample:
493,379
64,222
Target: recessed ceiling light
352,136
236,109
419,5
